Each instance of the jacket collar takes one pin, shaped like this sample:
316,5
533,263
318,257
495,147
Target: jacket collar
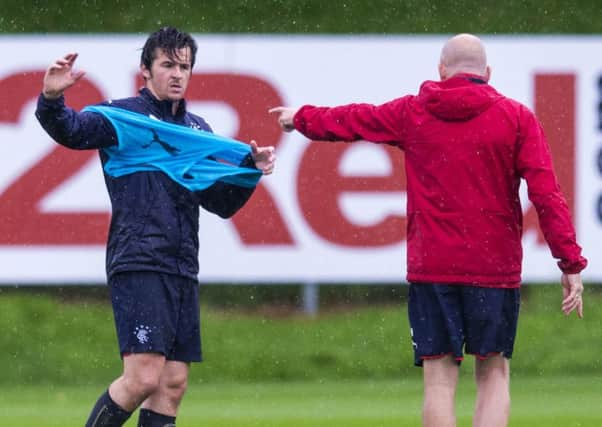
474,78
163,107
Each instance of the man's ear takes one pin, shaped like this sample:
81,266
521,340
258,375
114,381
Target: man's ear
442,71
487,73
146,74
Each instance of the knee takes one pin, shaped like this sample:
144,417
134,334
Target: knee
176,386
441,375
142,384
494,369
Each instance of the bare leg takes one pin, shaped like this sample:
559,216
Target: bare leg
172,386
492,376
140,379
440,381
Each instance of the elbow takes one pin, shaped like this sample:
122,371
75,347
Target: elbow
225,215
224,211
224,200
228,213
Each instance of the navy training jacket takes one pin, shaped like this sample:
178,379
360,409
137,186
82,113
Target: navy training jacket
155,221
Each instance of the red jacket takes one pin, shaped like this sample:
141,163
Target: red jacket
466,148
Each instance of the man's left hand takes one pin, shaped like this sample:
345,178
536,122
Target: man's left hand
264,158
572,294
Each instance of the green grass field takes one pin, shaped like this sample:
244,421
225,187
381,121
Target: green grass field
550,402
350,366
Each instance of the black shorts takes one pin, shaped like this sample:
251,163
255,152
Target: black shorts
448,319
157,313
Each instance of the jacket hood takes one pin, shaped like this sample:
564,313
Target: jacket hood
459,98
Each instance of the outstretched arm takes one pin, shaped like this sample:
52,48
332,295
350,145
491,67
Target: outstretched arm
352,122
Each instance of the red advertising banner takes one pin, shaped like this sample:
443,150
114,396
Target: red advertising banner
331,212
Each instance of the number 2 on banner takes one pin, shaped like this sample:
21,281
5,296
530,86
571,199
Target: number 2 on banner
23,223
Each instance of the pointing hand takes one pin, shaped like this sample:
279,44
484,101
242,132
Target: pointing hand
285,117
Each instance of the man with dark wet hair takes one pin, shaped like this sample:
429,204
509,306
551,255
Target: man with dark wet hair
169,40
152,248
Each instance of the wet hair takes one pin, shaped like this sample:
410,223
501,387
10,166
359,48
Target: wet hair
170,40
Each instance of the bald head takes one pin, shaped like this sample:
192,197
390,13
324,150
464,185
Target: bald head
463,53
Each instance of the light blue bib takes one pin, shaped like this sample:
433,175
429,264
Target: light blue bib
194,158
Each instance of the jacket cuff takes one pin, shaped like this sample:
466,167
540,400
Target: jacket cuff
49,104
298,121
248,162
572,267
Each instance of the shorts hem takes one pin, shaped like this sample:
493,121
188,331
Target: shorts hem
420,360
490,354
185,359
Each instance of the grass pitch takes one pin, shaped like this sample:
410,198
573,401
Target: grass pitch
346,368
569,401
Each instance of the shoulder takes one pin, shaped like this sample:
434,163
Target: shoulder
510,106
523,112
521,115
197,122
519,106
402,101
134,103
504,100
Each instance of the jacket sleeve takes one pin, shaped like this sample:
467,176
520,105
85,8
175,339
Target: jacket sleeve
79,131
225,199
381,124
534,164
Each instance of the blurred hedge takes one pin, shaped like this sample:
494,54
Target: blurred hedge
303,16
56,339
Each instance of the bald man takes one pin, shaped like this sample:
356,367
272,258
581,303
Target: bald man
466,149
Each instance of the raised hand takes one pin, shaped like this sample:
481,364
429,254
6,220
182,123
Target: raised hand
60,76
285,117
264,158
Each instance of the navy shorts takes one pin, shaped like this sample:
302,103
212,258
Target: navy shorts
451,319
157,313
